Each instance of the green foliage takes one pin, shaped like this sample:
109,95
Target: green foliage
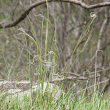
47,101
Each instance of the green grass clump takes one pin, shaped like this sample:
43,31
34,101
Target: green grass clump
47,101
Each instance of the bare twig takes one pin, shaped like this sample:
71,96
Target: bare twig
72,78
101,32
92,86
40,2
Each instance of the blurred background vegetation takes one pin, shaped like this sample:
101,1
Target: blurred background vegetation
56,28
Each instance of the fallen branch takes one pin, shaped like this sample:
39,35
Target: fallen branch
72,78
40,2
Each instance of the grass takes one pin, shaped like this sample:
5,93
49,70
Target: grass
47,101
52,99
